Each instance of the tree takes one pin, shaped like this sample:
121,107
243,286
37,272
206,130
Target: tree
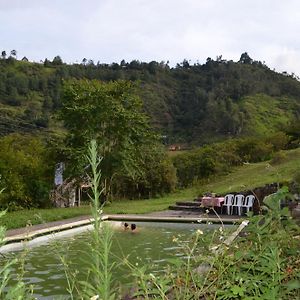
26,172
110,113
47,63
157,176
13,53
245,59
57,61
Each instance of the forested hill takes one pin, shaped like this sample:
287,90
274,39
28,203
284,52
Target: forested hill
187,104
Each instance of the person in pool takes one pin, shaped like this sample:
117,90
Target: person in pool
126,226
133,227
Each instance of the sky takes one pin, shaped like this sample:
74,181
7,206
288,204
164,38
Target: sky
162,30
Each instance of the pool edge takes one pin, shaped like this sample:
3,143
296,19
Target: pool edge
121,217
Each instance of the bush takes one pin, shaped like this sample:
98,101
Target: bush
254,150
278,158
279,141
156,176
26,172
219,158
296,177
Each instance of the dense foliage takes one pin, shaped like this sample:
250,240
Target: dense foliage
188,103
218,158
26,172
111,114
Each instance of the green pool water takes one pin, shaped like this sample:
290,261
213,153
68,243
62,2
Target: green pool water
152,243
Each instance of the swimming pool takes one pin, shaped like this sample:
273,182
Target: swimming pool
151,243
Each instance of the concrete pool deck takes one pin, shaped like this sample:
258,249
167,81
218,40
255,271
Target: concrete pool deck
30,232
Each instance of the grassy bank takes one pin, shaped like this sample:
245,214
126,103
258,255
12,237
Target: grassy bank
241,178
254,175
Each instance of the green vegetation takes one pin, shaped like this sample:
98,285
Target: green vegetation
193,104
111,113
244,116
219,158
20,290
27,217
99,272
131,109
265,114
245,177
253,175
26,169
237,112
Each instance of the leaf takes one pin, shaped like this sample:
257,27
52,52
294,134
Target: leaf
273,200
2,213
237,290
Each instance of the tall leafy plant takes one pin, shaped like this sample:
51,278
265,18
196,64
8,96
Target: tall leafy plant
7,292
99,280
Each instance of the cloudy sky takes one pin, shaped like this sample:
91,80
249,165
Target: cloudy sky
162,30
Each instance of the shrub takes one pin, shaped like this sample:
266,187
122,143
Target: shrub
254,150
156,176
278,158
279,141
26,172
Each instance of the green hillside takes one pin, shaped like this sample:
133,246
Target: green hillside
265,115
192,104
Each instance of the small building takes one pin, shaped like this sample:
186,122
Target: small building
69,193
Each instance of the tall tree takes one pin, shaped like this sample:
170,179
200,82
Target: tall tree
57,61
13,53
110,113
245,58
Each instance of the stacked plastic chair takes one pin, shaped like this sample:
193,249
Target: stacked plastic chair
238,203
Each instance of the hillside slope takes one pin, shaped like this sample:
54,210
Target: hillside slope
263,115
187,103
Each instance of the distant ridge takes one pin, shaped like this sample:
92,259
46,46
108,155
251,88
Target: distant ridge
192,104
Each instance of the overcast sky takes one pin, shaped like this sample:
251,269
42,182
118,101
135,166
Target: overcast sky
162,30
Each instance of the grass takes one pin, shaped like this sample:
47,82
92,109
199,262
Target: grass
244,177
267,113
17,219
254,175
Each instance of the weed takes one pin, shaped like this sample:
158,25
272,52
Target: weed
19,291
98,282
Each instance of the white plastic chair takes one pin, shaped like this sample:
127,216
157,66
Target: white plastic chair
248,202
238,202
228,200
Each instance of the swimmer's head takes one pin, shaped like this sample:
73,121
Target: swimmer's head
133,226
126,225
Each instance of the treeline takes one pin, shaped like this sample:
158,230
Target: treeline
187,103
219,158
